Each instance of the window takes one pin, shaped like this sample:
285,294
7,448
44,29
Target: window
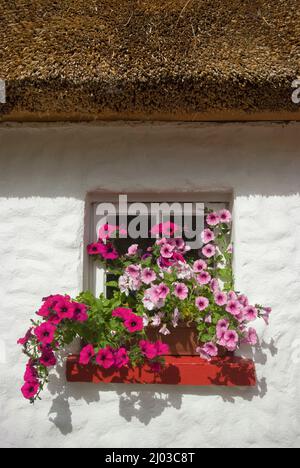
149,210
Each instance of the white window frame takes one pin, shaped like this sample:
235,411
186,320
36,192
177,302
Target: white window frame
94,276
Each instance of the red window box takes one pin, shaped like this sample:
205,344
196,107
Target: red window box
228,371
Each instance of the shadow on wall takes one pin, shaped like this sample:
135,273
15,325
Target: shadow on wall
144,403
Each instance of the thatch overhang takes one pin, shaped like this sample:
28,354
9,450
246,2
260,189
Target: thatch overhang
149,59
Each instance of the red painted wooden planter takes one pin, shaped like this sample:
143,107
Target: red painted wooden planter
180,370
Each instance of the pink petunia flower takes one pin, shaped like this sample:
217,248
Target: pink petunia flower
208,351
134,323
48,359
105,358
199,266
225,216
133,271
167,251
220,298
231,340
233,308
133,250
87,353
232,296
207,236
30,390
266,314
80,312
222,327
121,358
243,300
214,285
251,337
163,291
213,219
202,303
181,291
209,251
45,333
250,313
148,276
203,277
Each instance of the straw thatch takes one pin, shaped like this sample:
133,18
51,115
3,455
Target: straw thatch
168,59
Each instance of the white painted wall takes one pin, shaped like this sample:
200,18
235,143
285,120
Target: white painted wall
45,173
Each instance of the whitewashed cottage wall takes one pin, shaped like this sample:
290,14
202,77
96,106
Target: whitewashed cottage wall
45,173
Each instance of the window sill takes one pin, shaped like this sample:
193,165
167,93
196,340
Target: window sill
179,370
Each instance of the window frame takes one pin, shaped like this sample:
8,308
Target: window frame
93,275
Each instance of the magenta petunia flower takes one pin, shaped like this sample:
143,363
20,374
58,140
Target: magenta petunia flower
80,312
30,373
121,358
161,348
108,252
250,313
48,359
233,308
87,353
199,266
148,349
122,312
203,278
209,250
64,309
95,248
134,323
23,341
220,298
148,276
181,291
202,303
225,216
30,390
213,219
207,236
45,333
105,358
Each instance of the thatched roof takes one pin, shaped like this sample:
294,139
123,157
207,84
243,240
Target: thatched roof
156,59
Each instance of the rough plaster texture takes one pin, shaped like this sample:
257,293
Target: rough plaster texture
45,174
